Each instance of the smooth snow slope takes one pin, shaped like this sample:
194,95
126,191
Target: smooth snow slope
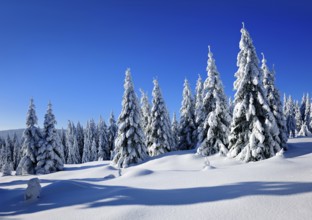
172,186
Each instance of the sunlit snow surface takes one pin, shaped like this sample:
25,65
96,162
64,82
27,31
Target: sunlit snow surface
176,185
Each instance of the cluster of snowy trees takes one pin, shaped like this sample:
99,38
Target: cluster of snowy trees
251,128
298,116
254,126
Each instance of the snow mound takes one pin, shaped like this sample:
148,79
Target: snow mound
137,173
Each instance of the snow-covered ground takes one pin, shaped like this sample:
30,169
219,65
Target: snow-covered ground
172,186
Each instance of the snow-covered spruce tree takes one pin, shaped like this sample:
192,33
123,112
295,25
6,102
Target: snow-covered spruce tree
90,135
16,151
275,103
103,150
94,151
217,122
6,158
80,138
72,145
305,127
60,144
298,116
303,107
130,141
199,111
159,136
32,141
175,132
146,111
64,143
49,157
112,134
187,127
290,118
253,128
9,149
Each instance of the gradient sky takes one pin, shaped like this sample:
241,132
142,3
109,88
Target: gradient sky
74,53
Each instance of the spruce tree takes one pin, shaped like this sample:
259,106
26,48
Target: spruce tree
175,132
16,152
298,116
88,138
103,150
72,145
146,111
31,144
290,118
49,158
305,127
275,103
217,122
130,141
199,112
112,134
159,136
253,127
187,127
80,138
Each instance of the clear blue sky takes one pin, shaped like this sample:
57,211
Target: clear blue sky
75,52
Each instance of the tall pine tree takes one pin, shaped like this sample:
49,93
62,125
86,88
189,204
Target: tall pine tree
130,142
159,136
187,127
217,122
253,127
31,144
49,154
275,103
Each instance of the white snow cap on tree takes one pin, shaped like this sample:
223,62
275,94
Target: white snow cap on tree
159,135
275,103
130,142
217,121
187,128
49,154
253,128
32,141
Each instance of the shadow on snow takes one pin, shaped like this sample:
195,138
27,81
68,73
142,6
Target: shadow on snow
69,193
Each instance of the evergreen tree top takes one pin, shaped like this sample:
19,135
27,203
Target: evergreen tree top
31,119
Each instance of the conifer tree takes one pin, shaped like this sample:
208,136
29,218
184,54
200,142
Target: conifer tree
112,134
72,145
217,122
253,126
159,136
175,132
298,116
231,107
89,136
187,127
275,103
16,152
290,118
305,127
49,158
303,107
130,141
199,112
104,149
32,141
146,111
80,138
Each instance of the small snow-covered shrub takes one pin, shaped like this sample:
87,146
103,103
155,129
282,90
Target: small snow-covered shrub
33,189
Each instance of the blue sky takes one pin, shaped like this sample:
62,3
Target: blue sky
74,53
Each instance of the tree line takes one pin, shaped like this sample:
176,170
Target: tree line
252,127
